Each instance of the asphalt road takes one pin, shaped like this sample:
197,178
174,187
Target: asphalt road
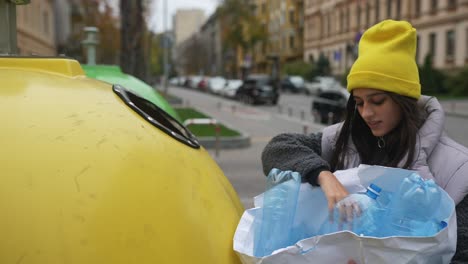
261,123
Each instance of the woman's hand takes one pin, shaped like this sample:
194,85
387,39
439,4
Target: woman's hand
333,189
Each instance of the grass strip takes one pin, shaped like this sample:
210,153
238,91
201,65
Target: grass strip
204,130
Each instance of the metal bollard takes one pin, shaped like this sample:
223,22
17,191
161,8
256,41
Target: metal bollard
306,128
217,143
315,116
302,115
330,118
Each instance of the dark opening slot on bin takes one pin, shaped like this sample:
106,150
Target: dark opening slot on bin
157,117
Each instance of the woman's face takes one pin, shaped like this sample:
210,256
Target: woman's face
378,110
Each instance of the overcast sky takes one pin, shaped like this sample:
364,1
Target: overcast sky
156,23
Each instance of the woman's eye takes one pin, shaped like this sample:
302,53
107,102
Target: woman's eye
359,104
379,102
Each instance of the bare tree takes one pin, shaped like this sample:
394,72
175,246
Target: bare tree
132,59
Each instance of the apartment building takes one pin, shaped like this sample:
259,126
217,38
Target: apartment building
333,28
261,49
186,22
284,22
210,34
36,28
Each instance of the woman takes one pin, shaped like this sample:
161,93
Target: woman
388,123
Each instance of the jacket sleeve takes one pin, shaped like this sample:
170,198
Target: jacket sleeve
461,254
295,152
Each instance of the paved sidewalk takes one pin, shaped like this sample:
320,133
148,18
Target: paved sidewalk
455,107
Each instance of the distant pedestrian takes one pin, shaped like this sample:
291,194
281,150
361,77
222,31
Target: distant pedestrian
387,123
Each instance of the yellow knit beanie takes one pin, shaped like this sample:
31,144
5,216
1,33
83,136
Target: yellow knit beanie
386,60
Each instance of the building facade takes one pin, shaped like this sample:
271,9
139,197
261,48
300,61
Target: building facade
284,21
333,29
261,52
186,22
36,28
210,34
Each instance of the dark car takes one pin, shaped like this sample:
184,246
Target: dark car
293,84
258,89
330,105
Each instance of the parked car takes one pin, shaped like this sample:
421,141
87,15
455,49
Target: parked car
94,173
203,84
216,84
177,81
330,105
258,89
320,84
231,88
294,84
193,81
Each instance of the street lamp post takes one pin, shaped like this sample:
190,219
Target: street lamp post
165,47
275,69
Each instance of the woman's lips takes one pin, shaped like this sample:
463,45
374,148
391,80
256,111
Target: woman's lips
373,124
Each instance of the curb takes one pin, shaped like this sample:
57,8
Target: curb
456,114
242,141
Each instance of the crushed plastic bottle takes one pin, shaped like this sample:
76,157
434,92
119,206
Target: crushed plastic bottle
347,214
411,210
275,230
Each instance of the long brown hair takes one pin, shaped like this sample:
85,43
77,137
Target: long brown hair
401,141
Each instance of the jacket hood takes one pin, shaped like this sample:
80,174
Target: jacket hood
433,126
429,133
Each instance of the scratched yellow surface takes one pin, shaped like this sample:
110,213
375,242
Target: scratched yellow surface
84,179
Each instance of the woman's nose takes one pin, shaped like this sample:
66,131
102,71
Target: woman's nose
367,111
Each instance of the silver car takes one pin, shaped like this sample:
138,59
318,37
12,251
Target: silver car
322,83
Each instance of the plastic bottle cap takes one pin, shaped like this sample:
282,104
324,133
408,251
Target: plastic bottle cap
375,188
373,191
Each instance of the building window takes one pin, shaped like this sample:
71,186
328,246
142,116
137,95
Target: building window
367,15
341,21
417,48
398,9
291,42
466,41
452,4
45,17
311,58
417,8
347,19
450,45
377,11
291,17
434,4
389,8
358,16
432,44
322,26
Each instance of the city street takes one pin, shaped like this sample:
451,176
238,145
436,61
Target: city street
261,123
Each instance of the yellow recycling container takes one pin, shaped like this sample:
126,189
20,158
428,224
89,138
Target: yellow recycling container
91,173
